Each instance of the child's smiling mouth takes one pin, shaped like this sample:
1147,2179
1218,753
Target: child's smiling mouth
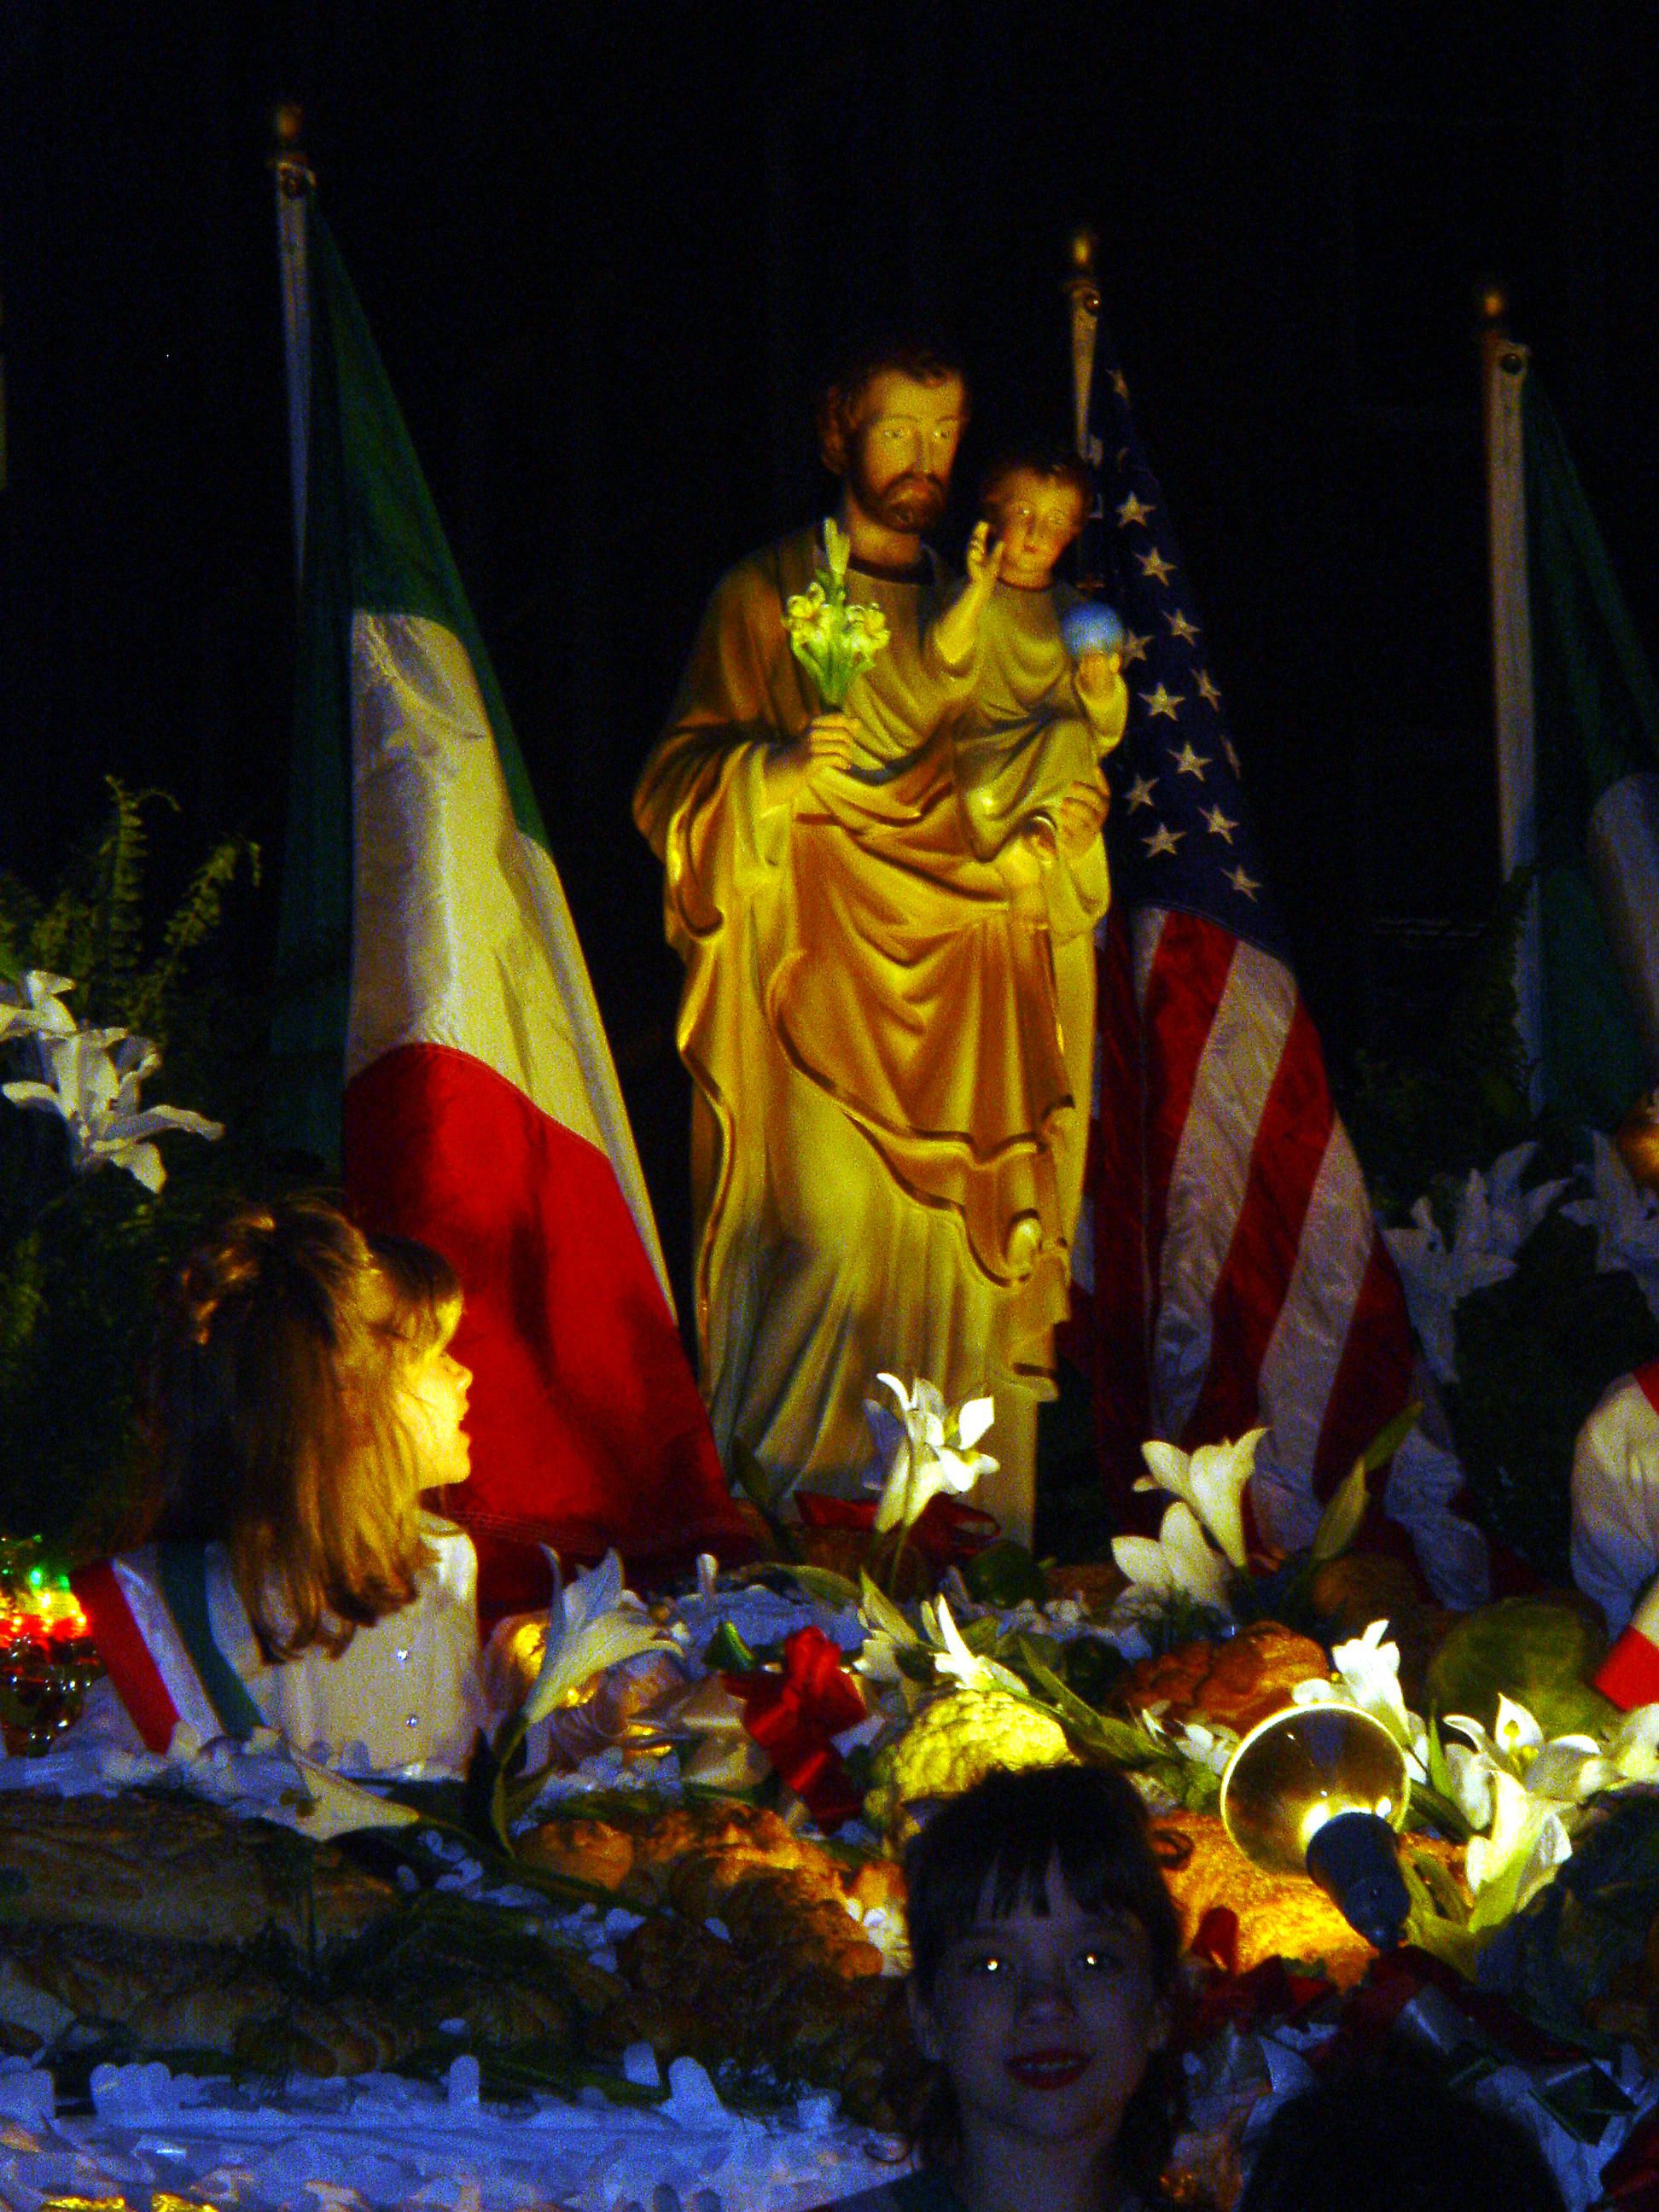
1049,2069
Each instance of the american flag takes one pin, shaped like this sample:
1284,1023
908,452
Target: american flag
1229,1267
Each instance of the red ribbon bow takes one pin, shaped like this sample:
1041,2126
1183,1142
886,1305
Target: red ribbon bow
793,1716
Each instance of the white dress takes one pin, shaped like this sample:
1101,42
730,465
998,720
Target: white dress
405,1698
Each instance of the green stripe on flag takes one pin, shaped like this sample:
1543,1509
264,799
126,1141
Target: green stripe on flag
181,1571
1595,721
373,544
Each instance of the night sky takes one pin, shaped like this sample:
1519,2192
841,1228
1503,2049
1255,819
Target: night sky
604,249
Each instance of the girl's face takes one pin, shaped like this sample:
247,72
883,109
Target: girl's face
431,1392
1044,2023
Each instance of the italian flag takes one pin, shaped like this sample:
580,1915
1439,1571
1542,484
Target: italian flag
436,1029
1577,715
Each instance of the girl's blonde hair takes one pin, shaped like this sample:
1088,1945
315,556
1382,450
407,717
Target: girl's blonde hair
273,1416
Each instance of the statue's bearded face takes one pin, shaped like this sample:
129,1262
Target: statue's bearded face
903,447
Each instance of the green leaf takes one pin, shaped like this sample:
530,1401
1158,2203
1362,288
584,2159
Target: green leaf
1388,1440
727,1652
1438,1808
1338,1524
764,1496
1117,1740
823,1583
881,1612
484,1796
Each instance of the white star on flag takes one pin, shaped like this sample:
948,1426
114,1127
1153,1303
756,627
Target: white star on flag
1154,565
1206,690
1163,840
1160,702
1218,824
1188,763
1246,886
1181,628
1132,511
1134,648
1140,791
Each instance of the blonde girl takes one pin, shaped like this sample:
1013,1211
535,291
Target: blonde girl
301,1399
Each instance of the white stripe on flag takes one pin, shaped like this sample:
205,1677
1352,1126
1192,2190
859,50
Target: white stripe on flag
1304,1352
136,1571
461,935
1212,1172
1146,932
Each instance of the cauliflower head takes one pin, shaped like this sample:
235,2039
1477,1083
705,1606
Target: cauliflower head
954,1742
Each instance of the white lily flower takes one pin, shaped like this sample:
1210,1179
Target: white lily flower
926,1449
1212,1481
1471,1775
1181,1559
1436,1278
1516,1733
1517,1212
1368,1679
951,1657
592,1624
1625,1219
1561,1769
96,1097
1211,1747
31,1008
1525,1829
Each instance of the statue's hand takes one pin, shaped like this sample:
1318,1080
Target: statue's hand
1099,680
1082,811
984,558
828,742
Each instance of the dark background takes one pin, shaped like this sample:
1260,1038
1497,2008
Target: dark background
602,248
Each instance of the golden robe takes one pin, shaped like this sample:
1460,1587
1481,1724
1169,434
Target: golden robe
890,1050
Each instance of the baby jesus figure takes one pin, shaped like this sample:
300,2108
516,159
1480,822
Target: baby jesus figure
1028,745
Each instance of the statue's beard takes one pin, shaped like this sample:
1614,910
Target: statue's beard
912,503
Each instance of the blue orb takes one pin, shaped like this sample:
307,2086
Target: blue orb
1092,628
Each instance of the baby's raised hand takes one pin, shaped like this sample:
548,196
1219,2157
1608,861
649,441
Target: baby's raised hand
984,558
954,636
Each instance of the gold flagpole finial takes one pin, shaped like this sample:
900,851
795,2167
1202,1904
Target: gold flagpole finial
1081,286
295,175
1083,295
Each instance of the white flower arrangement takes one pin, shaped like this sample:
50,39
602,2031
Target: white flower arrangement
1208,1487
926,1448
93,1089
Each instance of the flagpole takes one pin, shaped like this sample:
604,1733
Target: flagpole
1083,294
294,182
1503,377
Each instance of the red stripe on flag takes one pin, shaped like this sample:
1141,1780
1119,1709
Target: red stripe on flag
1289,1150
125,1654
1374,1375
1188,976
586,1425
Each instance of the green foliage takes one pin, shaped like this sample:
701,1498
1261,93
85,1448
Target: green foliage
1416,1118
80,1257
1534,1355
1585,1933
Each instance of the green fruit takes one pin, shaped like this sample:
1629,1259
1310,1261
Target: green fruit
1539,1651
1004,1573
